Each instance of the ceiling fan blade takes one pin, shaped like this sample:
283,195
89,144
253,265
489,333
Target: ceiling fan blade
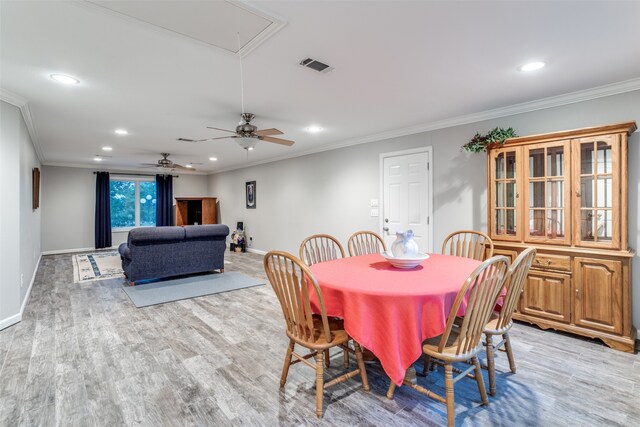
149,165
267,132
184,168
277,140
204,140
225,130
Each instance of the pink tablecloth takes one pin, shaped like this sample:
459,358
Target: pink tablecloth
392,311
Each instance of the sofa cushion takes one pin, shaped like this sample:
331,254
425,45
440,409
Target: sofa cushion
148,235
198,232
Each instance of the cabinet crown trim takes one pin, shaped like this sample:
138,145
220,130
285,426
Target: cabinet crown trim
624,127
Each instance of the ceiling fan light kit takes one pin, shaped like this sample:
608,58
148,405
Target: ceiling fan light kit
248,143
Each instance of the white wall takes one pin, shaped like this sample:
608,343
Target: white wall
19,223
68,206
330,191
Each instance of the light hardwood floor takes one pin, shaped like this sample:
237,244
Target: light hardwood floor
84,355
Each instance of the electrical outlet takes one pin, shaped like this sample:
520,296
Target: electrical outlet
375,212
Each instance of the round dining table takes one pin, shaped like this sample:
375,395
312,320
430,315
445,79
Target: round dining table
389,310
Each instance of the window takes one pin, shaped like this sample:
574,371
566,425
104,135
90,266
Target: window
133,203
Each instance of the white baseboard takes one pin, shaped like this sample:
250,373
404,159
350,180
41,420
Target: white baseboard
5,323
33,279
70,251
256,251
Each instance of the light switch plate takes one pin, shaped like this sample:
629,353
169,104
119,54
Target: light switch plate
374,212
374,203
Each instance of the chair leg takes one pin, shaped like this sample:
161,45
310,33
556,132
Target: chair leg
507,346
319,383
360,360
287,363
391,390
426,366
346,357
448,383
327,360
480,381
491,366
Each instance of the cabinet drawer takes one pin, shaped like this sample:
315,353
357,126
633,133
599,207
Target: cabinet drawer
552,262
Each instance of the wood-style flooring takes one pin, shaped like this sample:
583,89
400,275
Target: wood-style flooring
83,355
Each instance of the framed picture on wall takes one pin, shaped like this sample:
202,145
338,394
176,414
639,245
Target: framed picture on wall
35,190
250,192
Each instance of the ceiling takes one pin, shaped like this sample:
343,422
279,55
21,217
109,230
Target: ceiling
398,65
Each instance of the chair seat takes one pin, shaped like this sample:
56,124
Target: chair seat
430,347
336,326
492,327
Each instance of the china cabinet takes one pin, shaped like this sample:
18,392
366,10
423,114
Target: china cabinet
565,193
195,210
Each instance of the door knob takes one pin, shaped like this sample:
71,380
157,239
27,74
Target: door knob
386,220
386,229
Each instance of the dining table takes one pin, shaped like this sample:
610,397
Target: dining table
390,310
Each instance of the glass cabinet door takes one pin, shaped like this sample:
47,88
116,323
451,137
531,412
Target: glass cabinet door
546,193
505,194
597,189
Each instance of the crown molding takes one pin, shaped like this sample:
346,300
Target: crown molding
105,167
22,104
511,110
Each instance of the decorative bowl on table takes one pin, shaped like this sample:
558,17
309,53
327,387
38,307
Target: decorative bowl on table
405,262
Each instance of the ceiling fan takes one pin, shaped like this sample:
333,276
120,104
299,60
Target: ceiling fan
165,163
246,134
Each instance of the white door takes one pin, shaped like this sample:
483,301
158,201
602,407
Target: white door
406,196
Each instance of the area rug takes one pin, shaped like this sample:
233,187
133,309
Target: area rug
188,287
96,266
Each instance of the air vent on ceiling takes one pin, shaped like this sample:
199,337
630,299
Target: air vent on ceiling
316,65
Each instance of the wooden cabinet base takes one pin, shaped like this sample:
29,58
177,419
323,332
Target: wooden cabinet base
622,343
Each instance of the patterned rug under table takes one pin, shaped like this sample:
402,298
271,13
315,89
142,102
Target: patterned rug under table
96,266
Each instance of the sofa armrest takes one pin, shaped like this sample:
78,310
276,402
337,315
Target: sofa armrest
124,251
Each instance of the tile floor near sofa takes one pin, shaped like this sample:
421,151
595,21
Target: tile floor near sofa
84,355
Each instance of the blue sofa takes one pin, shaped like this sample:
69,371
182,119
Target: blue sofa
158,252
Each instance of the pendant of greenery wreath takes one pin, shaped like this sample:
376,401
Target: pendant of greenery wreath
479,143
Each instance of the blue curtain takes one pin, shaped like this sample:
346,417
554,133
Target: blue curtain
164,200
103,211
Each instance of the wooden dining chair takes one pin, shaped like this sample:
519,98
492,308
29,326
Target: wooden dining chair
501,321
468,244
320,248
462,342
293,283
365,242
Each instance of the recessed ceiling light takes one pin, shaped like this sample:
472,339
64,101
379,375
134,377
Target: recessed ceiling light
213,159
121,132
188,166
67,80
314,129
97,159
107,148
250,148
532,66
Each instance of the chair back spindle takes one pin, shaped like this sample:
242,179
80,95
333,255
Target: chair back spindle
292,283
514,283
365,242
468,244
482,290
320,248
